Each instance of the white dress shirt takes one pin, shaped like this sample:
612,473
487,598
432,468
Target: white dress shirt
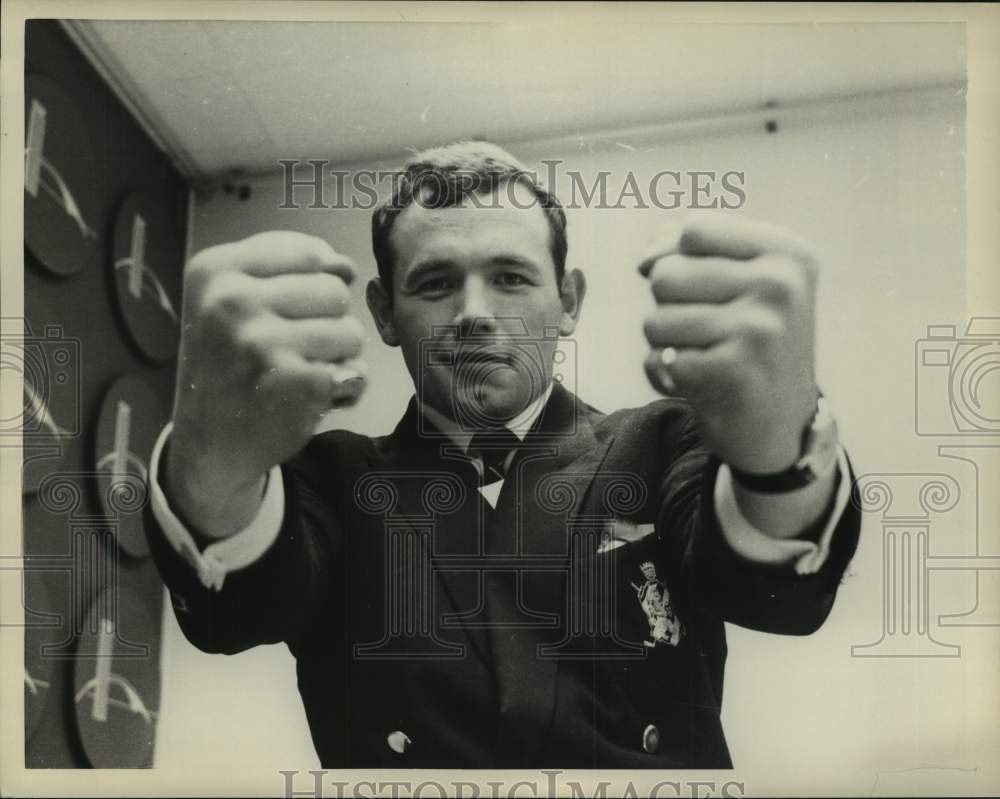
246,546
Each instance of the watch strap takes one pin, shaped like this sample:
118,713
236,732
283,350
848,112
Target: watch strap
817,453
791,479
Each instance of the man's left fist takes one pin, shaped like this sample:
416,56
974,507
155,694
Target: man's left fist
733,331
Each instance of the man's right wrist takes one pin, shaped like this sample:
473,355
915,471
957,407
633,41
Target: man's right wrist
208,500
223,549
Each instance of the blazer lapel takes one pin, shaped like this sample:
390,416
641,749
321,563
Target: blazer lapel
437,489
546,485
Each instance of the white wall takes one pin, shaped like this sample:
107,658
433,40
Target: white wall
879,189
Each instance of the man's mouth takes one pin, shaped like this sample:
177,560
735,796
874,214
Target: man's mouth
483,356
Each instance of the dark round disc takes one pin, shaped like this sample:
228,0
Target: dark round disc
43,627
61,227
145,252
116,681
131,417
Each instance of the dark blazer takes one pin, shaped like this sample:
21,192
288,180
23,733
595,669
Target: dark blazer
559,630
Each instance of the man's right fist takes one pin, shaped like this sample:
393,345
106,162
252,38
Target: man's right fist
268,346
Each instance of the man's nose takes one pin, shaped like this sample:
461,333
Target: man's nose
475,315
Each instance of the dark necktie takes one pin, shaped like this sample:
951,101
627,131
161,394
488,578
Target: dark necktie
492,448
512,646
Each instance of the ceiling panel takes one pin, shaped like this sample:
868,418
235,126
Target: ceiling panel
241,95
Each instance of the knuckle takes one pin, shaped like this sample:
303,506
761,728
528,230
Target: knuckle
208,260
227,296
774,288
762,328
691,235
302,246
651,328
782,281
324,251
664,280
219,258
197,273
335,289
650,366
255,345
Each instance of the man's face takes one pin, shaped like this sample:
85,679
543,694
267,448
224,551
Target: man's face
474,293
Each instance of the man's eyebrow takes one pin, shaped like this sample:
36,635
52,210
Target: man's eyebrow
430,264
509,259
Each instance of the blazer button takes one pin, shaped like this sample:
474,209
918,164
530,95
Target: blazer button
399,742
650,739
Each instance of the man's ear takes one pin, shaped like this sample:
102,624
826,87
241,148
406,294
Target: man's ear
380,305
571,292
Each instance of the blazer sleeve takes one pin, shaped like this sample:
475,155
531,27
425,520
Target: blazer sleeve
768,597
276,598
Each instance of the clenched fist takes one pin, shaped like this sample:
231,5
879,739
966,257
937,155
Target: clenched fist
268,346
733,331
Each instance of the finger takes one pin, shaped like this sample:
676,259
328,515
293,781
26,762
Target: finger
297,296
685,278
665,242
349,381
330,340
706,375
300,381
657,365
323,386
737,237
281,251
689,325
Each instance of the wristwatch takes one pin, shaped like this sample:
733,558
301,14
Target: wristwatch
817,456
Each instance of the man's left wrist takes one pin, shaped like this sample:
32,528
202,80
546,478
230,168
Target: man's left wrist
817,456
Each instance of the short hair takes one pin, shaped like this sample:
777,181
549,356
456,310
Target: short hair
443,177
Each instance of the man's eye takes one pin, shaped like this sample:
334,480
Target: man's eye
512,279
436,284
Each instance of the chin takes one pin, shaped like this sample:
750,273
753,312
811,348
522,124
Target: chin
490,405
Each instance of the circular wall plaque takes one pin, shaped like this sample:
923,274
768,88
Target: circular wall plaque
116,681
60,184
131,418
147,258
41,629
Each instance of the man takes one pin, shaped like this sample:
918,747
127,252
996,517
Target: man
462,592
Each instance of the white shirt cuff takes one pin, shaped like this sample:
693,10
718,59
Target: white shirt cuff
228,554
758,546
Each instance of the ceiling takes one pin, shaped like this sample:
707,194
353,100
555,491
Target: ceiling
223,96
